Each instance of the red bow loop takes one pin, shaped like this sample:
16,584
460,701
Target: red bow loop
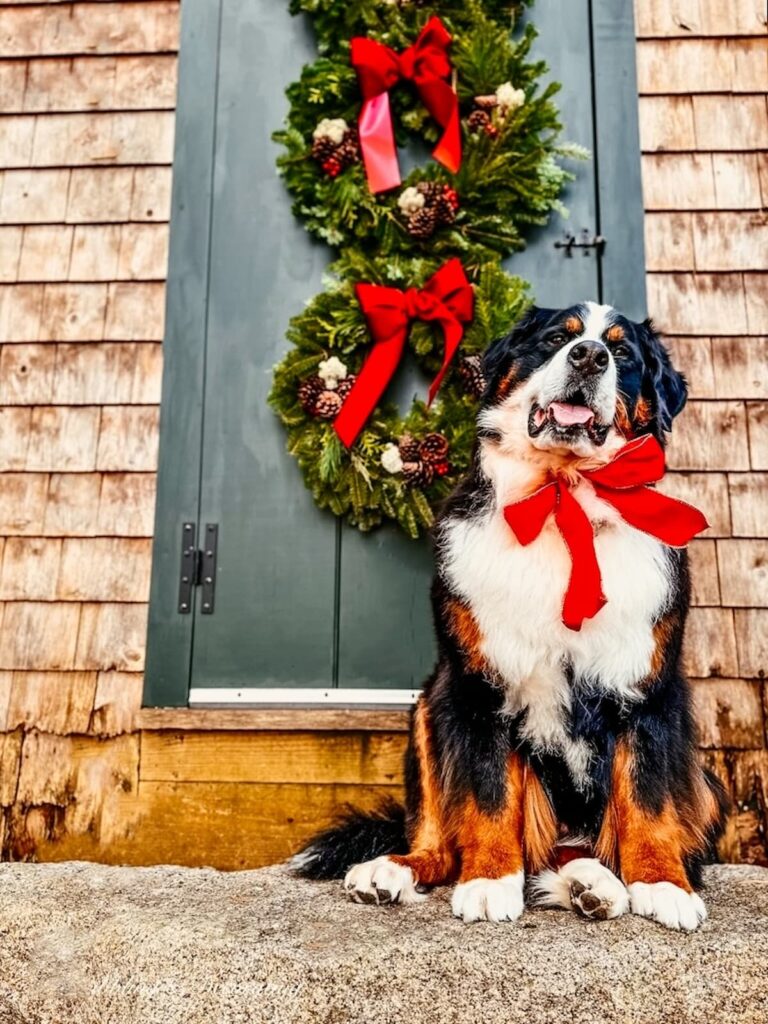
379,68
447,298
622,483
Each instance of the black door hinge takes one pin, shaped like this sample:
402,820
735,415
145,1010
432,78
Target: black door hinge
198,567
585,241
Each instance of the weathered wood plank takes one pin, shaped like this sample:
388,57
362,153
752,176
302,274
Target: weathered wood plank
666,124
756,295
151,26
112,637
739,367
21,307
76,140
710,435
669,241
725,241
757,422
191,823
743,572
100,194
143,252
728,713
14,430
63,438
707,491
710,644
27,374
135,312
693,356
39,635
52,85
151,198
699,17
30,568
128,439
751,626
72,503
33,197
45,253
116,704
704,573
699,304
10,760
95,374
669,66
127,504
22,503
729,123
104,569
749,504
73,312
343,757
235,719
54,702
682,181
10,254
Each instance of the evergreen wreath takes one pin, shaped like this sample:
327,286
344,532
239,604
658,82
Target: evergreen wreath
400,467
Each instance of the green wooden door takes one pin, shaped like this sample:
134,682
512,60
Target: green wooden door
306,610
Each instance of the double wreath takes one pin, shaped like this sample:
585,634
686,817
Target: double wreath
419,276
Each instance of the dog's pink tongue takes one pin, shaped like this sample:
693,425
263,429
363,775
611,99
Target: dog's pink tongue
567,415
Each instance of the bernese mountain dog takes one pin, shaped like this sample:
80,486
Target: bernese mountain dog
558,748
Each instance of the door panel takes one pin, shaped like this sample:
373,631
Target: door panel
305,606
385,626
274,619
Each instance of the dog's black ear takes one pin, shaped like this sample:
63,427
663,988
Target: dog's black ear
667,387
498,351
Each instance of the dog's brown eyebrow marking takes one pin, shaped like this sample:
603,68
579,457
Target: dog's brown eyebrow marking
573,325
615,333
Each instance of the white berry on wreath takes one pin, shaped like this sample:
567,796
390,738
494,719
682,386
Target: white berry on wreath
391,459
333,128
411,200
509,98
331,371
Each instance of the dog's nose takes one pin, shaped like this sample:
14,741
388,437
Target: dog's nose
589,357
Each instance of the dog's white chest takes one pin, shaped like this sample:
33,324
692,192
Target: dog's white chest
515,594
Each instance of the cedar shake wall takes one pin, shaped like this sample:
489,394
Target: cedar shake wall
86,131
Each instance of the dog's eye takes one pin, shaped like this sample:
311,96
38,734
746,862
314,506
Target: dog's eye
557,339
619,351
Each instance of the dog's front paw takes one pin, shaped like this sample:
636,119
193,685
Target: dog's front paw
381,881
668,904
489,899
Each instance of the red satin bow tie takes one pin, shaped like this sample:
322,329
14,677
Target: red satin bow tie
447,297
379,68
621,483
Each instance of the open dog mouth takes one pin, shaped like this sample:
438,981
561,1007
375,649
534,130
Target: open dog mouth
569,419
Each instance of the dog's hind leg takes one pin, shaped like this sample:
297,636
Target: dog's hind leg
431,858
584,885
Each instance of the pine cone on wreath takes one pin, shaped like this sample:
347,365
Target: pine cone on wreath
478,120
323,148
345,386
486,102
422,224
418,474
309,391
472,376
349,151
433,448
409,448
445,210
431,190
327,405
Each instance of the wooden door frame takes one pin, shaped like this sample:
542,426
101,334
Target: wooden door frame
615,108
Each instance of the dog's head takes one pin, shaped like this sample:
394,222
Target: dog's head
574,382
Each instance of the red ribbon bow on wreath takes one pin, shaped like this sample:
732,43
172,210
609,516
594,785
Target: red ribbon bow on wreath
447,298
379,68
621,483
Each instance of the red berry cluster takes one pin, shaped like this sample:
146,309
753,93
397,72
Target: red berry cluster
335,157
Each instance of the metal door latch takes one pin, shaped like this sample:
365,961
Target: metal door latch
198,568
585,241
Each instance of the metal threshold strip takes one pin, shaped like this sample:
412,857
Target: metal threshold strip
210,696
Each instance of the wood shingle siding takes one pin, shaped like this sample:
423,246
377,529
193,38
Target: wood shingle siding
87,93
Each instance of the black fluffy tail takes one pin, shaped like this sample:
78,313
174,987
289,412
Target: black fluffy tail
357,836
